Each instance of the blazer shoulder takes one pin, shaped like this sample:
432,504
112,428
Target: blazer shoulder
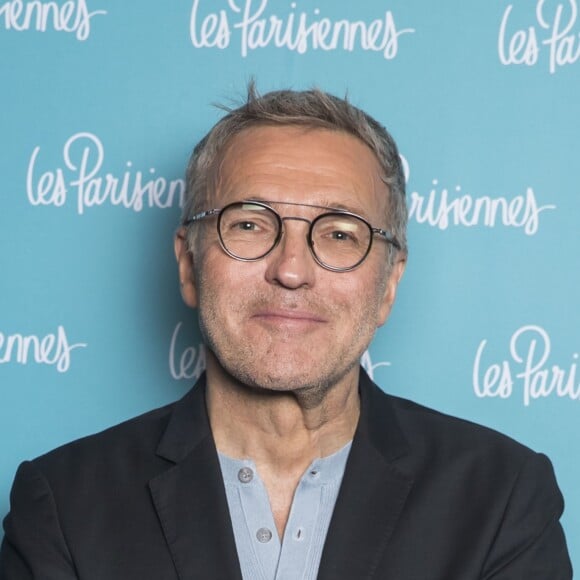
456,451
442,434
143,424
136,438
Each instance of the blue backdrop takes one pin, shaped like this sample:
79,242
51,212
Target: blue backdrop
101,103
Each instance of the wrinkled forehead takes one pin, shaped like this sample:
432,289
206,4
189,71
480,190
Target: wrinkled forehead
294,163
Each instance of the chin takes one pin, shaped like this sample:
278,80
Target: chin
313,385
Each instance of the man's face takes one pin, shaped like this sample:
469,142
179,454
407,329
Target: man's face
283,322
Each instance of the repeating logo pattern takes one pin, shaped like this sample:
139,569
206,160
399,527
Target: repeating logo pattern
490,127
550,34
254,25
72,17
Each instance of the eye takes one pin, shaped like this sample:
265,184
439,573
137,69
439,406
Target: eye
245,226
341,236
338,230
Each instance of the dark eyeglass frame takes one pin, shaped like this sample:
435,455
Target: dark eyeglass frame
383,234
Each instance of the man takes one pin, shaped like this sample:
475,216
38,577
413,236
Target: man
285,461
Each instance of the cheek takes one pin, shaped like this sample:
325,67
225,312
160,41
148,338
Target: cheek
356,301
226,281
371,298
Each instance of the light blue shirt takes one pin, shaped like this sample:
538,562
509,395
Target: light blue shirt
261,553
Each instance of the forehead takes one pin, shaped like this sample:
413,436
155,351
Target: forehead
301,165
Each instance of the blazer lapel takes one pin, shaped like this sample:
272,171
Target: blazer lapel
190,497
372,494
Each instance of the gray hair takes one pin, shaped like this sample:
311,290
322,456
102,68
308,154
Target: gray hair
311,109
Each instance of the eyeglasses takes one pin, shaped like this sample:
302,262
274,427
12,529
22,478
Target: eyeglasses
338,240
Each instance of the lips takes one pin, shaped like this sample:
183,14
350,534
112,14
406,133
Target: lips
290,317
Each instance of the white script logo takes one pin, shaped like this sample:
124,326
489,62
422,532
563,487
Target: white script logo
370,367
552,30
441,209
52,349
83,156
295,31
69,16
185,363
529,352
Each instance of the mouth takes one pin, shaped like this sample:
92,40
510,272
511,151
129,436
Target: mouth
281,317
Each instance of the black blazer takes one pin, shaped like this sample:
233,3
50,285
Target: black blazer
424,497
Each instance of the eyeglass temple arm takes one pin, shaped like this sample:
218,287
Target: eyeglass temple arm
388,237
200,216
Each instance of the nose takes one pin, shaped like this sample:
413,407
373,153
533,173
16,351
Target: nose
291,264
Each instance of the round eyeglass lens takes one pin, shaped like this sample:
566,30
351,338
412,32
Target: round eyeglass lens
340,241
248,230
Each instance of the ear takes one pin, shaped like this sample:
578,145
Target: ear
395,276
185,267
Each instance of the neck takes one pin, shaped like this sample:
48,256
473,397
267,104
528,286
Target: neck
277,429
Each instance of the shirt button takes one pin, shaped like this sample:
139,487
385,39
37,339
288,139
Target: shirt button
245,475
264,535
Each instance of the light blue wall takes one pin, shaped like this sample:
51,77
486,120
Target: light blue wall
484,100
